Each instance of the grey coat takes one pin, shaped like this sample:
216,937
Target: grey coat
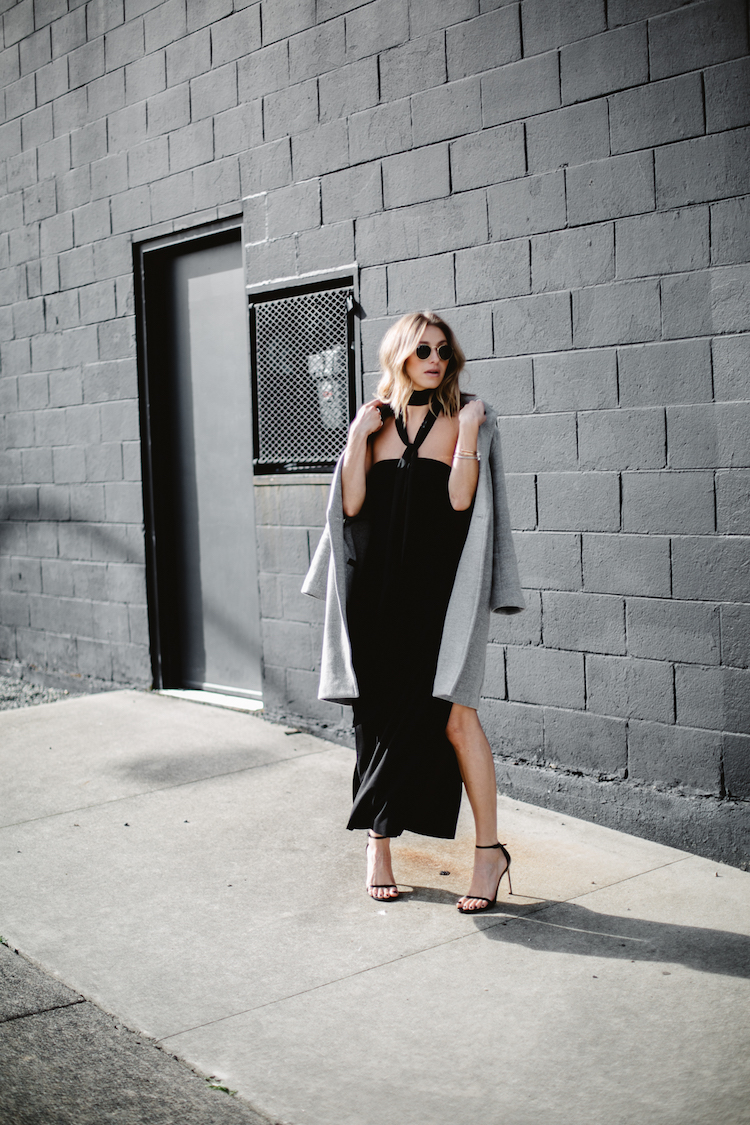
486,580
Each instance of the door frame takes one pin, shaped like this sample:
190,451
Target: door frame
147,259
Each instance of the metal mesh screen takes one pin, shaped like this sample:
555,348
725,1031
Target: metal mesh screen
302,379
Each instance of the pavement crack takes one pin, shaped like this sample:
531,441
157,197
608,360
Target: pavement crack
548,905
327,983
629,878
43,1011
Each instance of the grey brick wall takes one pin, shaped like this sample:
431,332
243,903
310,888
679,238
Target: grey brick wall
289,518
568,181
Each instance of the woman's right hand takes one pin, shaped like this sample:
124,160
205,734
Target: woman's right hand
368,420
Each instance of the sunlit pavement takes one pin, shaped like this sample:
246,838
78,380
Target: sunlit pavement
185,869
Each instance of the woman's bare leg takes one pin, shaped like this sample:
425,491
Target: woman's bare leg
380,882
478,772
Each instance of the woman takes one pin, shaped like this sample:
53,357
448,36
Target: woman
416,553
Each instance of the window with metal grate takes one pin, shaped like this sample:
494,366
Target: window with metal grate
303,377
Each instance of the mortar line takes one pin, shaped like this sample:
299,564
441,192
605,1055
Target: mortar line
419,952
162,789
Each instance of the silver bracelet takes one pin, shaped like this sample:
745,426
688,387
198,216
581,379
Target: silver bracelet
465,455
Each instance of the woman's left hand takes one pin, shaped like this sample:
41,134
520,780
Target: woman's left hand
471,416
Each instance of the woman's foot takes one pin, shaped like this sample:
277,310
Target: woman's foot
490,864
380,882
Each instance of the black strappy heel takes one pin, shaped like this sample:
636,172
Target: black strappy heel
488,902
381,886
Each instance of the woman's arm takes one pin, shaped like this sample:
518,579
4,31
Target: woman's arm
358,457
462,483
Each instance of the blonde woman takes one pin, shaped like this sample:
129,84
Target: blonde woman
416,553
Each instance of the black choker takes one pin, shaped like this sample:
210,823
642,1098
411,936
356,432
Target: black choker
420,398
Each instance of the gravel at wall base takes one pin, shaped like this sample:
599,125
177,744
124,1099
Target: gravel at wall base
20,693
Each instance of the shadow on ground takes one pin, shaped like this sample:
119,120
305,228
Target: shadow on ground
587,933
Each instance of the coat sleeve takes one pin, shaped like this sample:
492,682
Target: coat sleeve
506,595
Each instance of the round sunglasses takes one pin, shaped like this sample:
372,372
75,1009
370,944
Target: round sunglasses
424,351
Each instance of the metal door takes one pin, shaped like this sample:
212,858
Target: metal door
206,585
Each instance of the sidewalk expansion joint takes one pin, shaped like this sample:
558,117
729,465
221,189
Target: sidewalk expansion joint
599,887
501,921
159,789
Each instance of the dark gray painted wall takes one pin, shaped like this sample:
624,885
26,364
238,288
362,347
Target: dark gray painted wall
568,181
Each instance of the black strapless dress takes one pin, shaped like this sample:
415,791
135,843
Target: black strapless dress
406,776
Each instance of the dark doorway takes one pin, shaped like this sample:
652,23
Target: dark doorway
198,472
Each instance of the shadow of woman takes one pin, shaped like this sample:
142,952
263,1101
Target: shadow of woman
566,927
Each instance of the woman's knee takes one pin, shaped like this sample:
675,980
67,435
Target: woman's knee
463,723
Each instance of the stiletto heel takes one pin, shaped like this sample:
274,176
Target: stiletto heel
369,887
488,902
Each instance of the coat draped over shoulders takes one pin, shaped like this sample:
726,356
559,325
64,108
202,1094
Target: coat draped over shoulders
486,581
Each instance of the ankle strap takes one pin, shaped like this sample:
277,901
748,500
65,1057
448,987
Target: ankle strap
488,845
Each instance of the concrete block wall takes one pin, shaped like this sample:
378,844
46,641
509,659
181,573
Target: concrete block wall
72,591
568,183
566,180
109,133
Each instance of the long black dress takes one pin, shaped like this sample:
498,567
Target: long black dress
406,775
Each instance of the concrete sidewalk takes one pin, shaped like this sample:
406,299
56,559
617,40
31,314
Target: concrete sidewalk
186,869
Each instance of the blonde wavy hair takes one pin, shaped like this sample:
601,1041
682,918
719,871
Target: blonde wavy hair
399,342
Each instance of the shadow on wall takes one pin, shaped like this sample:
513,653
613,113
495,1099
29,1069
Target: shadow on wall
116,541
95,543
55,572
